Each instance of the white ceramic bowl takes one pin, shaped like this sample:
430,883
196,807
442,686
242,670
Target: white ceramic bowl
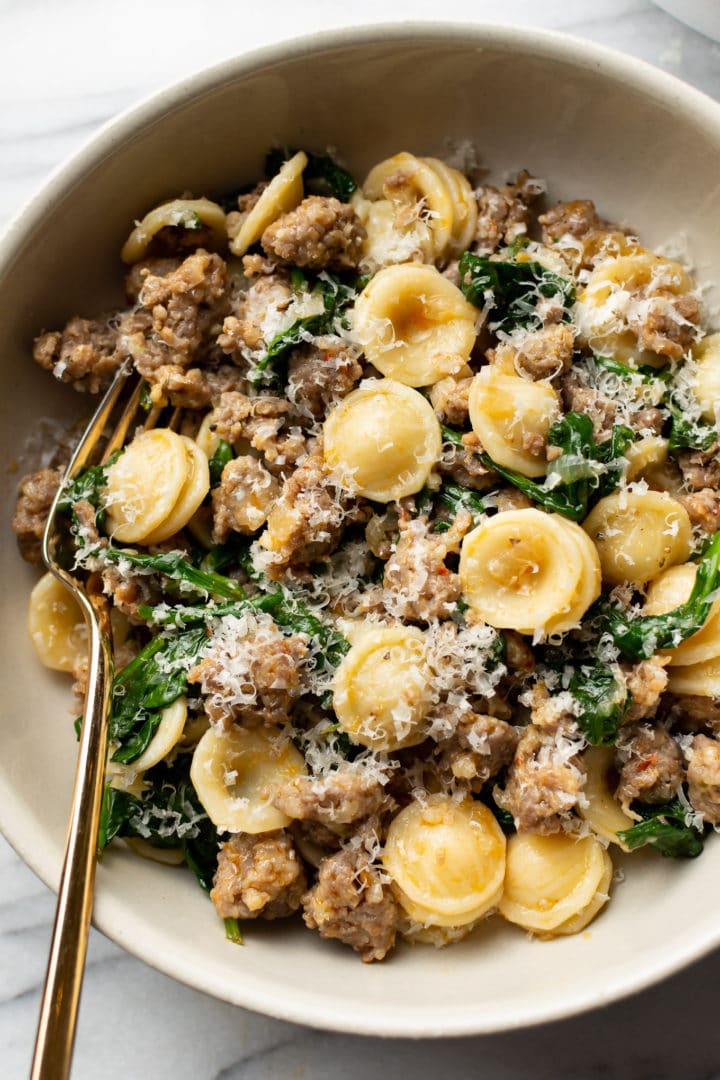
594,123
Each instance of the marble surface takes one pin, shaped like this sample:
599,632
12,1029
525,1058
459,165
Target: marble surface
67,66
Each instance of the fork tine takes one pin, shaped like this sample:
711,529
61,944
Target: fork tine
122,427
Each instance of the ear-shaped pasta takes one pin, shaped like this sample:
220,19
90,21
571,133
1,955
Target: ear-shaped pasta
183,213
700,680
608,303
638,535
383,440
529,571
645,456
207,437
412,184
551,880
169,732
56,625
236,774
192,493
446,860
381,688
282,194
578,922
391,237
601,809
706,383
144,484
414,325
465,208
512,417
155,487
671,590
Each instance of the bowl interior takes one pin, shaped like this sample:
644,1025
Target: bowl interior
593,125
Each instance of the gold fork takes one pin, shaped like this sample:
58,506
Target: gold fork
68,947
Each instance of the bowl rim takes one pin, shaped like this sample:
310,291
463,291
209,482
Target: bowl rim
551,44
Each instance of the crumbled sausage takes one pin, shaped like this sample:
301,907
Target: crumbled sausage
544,780
352,904
703,508
450,399
250,673
338,798
576,219
267,422
691,712
177,314
462,464
504,213
547,352
581,398
254,319
520,657
35,497
258,877
669,325
130,589
320,375
649,764
479,747
85,354
321,233
646,682
700,468
647,421
139,271
243,499
308,519
703,776
418,584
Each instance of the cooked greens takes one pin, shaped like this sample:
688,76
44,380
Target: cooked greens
511,290
584,472
334,295
638,637
664,827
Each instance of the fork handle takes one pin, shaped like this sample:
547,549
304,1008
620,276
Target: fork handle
66,963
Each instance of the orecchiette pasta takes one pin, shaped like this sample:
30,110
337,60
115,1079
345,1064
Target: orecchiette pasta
178,213
638,534
464,210
383,440
601,809
155,487
671,590
610,305
416,187
446,860
512,417
283,193
415,325
381,688
192,493
645,457
529,571
551,880
168,734
236,773
56,624
706,384
698,680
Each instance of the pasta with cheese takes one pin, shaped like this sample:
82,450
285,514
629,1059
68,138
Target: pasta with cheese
412,555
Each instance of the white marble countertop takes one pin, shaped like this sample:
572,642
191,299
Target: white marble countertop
67,66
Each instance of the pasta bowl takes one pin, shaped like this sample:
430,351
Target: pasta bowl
593,123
